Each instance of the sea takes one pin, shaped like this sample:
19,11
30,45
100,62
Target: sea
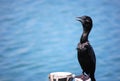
38,37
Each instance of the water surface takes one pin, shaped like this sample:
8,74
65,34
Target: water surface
40,36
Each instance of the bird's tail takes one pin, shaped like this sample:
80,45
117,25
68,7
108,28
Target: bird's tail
92,78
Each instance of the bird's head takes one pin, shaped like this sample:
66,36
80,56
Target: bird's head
86,22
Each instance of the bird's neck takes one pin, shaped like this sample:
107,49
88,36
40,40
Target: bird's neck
84,37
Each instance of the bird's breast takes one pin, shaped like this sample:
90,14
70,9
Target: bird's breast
82,47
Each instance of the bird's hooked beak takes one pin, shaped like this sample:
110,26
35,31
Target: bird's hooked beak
79,19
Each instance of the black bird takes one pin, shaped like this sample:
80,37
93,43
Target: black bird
86,55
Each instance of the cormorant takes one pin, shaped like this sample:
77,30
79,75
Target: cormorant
86,55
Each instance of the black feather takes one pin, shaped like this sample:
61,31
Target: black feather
86,55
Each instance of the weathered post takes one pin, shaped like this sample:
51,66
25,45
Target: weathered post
61,76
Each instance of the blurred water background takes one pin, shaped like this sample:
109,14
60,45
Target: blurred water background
40,36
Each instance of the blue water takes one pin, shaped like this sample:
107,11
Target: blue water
40,36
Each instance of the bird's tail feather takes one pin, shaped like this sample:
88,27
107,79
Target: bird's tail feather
92,78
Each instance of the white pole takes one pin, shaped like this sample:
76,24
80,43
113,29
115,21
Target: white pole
61,76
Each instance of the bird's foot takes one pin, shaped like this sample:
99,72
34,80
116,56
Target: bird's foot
83,73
